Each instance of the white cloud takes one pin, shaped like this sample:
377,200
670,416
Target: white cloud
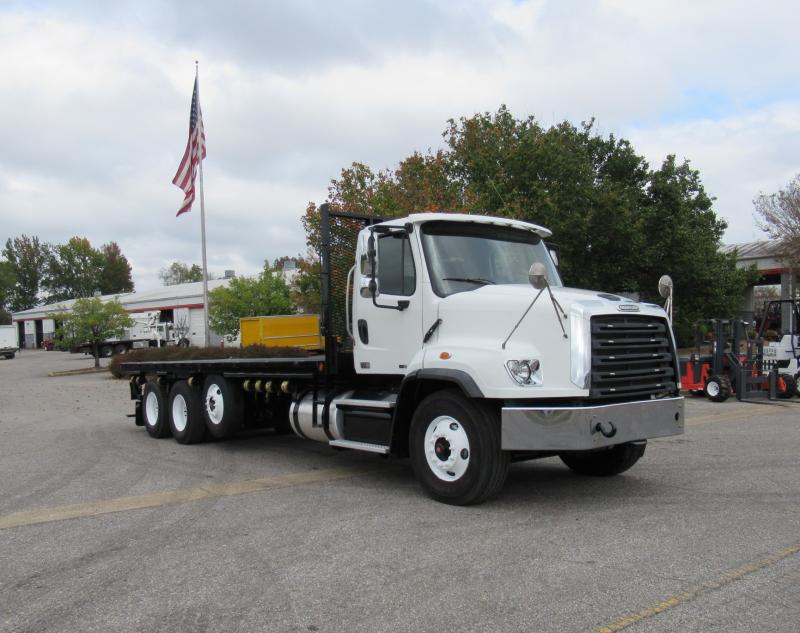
94,105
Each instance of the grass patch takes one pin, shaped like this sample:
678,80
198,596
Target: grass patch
155,354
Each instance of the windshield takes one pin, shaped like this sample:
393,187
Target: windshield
464,256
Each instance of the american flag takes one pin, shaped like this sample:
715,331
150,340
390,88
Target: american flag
195,152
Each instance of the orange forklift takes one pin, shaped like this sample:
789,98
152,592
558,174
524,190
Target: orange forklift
734,365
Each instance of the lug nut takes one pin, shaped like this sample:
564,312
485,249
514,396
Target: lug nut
453,426
464,453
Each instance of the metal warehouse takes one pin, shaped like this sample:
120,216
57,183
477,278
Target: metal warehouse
181,303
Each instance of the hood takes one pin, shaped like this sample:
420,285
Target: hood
490,312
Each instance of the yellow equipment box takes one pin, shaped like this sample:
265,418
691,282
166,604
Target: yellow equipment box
294,330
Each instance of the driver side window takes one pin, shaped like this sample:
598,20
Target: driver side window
396,273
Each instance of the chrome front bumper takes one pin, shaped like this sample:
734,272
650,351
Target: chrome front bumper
585,428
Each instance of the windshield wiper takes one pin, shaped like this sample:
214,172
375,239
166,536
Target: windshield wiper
473,280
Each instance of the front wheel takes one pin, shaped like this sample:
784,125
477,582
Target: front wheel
605,462
455,449
718,388
789,386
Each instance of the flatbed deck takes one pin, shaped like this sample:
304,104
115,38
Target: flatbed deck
302,367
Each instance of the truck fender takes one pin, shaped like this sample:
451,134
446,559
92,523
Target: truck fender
414,388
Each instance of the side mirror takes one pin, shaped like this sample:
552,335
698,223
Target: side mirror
537,275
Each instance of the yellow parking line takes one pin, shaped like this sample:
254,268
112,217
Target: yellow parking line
173,497
698,590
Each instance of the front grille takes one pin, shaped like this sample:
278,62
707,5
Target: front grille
632,358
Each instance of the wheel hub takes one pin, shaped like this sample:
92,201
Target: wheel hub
447,450
151,409
215,406
180,413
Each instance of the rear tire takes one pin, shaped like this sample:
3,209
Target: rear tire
120,348
455,449
185,414
106,351
9,356
154,410
223,407
718,388
605,462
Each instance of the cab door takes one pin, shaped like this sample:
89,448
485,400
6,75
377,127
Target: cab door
387,323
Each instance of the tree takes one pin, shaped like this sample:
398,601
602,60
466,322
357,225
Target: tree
619,224
28,257
180,273
74,270
92,321
305,283
264,295
8,280
778,215
115,276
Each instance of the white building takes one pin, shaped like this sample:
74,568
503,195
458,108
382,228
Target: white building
178,304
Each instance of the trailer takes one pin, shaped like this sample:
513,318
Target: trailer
449,339
147,331
9,345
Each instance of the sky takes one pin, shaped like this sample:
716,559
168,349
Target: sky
94,104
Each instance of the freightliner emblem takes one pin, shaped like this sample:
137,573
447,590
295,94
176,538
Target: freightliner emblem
628,307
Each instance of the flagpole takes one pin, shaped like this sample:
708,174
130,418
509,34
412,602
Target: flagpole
203,225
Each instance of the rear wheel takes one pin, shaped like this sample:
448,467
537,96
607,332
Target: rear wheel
455,449
718,388
605,462
10,355
106,351
223,407
120,348
154,405
185,414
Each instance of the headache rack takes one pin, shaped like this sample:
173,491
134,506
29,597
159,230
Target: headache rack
633,358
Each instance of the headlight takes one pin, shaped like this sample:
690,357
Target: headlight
525,372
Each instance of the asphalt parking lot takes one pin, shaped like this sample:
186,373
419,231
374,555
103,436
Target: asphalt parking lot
105,529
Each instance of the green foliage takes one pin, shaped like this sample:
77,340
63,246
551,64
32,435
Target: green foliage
64,271
305,285
619,224
180,273
73,270
28,257
8,280
115,276
264,295
92,321
152,354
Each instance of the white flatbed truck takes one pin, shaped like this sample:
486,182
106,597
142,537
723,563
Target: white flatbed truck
448,356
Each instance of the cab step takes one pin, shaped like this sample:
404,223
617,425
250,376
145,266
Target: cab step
361,446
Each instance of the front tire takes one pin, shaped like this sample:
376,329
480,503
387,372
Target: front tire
718,388
185,414
223,407
154,407
789,386
605,462
455,449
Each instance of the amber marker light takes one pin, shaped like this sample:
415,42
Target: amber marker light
444,355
